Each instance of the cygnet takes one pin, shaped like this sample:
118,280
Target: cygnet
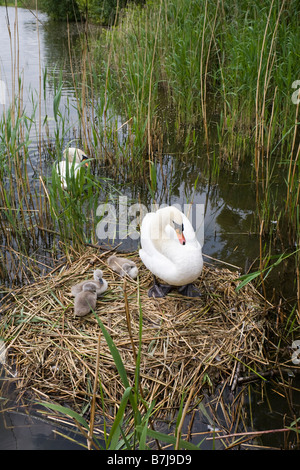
86,300
123,266
98,281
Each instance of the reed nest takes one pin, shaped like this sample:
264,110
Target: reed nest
185,342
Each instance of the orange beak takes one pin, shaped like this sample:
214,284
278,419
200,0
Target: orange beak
180,237
84,157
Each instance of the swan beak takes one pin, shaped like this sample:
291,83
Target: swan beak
180,237
84,157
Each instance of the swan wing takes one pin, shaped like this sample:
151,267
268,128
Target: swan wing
150,256
160,265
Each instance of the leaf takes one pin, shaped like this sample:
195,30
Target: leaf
120,367
66,411
246,278
168,439
114,352
56,101
115,431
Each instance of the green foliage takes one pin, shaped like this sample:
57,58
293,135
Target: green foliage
201,46
60,9
100,12
95,11
246,278
225,69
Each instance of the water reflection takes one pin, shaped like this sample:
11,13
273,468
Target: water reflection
22,431
27,60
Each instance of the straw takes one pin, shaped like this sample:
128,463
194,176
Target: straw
184,340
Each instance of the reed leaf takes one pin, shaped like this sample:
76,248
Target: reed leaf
168,439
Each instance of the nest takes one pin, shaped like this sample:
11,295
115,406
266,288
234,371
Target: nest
185,344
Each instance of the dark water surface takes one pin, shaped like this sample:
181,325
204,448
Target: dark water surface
229,205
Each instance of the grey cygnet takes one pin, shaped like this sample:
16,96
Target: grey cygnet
123,266
86,300
98,281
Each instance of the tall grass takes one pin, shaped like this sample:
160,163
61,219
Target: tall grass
232,58
32,200
225,69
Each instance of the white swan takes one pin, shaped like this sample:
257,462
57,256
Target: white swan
72,158
99,283
171,251
123,266
86,300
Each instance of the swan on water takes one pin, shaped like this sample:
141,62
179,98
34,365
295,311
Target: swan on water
72,161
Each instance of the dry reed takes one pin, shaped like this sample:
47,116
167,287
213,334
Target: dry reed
53,355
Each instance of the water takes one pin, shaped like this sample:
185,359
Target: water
229,205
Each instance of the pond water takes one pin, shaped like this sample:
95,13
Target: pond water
228,205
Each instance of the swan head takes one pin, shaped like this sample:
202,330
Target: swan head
169,225
73,152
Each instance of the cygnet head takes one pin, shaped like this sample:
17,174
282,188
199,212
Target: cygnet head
131,270
89,287
98,275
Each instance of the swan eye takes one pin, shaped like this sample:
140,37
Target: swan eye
84,157
178,227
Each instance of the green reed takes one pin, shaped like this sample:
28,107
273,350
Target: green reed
233,59
226,69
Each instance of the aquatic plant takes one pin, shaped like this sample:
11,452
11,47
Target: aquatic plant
233,59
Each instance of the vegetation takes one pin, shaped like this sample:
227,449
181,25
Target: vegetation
88,10
209,78
135,364
61,10
236,60
227,73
